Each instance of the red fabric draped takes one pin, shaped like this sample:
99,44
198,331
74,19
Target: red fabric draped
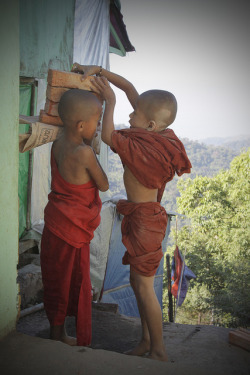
73,211
143,230
71,217
177,272
152,157
67,285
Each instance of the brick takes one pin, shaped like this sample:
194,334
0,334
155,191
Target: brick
54,93
51,120
51,108
60,78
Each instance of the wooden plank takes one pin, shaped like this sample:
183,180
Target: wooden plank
28,119
51,120
51,108
71,80
240,338
244,330
54,93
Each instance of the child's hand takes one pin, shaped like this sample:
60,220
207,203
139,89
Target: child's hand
102,87
86,70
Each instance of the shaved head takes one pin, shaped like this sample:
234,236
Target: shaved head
78,105
159,105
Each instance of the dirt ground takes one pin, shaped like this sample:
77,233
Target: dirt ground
110,331
196,350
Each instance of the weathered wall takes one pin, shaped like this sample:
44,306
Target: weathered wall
9,108
46,36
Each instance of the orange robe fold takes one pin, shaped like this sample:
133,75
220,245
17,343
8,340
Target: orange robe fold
71,217
143,230
152,157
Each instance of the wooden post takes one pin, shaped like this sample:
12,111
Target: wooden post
170,297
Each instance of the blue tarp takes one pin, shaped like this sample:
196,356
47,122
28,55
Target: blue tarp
117,288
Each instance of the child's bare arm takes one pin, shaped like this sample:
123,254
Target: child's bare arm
117,80
103,88
94,169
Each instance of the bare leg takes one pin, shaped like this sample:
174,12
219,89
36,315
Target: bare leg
144,345
58,333
150,311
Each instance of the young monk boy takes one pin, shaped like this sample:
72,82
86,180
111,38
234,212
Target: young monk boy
151,155
71,216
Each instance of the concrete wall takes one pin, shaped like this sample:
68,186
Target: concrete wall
9,109
46,36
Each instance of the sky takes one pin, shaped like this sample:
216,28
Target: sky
197,49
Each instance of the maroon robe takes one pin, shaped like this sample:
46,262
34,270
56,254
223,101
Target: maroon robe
153,158
71,216
143,230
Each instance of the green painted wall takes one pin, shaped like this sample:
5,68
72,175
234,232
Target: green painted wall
46,36
9,108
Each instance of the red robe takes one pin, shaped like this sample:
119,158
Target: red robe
66,283
153,158
73,211
143,230
71,216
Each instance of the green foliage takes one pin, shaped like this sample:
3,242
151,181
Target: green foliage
206,161
217,243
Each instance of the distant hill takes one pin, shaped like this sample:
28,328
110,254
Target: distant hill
121,126
236,143
206,160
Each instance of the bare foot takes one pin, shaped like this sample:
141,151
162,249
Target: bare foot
66,340
69,340
58,333
141,349
158,356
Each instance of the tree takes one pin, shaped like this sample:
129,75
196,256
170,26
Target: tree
217,242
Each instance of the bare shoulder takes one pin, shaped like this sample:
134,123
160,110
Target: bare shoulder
84,154
84,150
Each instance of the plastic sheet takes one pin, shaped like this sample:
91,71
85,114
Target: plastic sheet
41,171
91,32
91,46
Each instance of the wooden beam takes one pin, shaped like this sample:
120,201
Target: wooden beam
240,338
28,119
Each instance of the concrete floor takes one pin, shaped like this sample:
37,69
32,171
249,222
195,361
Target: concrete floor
196,350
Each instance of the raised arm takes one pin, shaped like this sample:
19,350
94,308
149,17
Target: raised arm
102,87
117,80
